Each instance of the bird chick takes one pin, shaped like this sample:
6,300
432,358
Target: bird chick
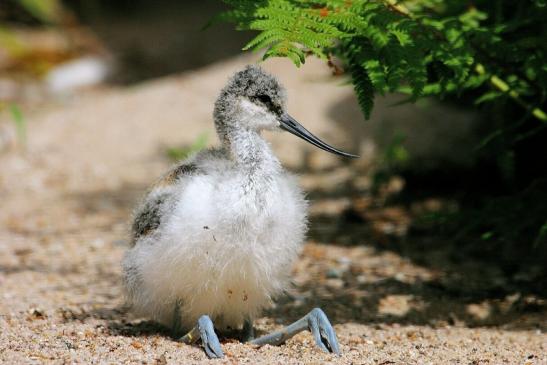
214,239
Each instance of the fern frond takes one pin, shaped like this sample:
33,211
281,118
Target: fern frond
419,50
364,89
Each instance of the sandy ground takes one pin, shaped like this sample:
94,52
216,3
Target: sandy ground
63,230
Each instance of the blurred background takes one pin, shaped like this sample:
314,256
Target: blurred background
98,97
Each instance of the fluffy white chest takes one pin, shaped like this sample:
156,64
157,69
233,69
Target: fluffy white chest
225,250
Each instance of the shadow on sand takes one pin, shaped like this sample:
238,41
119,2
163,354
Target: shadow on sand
473,292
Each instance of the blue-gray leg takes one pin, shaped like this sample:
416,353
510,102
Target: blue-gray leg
316,322
205,331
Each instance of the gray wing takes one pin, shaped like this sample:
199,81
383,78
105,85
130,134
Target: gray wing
148,216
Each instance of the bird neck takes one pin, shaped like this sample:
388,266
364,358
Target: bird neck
251,152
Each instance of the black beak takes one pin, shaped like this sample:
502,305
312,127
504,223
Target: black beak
289,124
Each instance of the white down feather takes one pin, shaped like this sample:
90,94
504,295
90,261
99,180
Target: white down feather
225,245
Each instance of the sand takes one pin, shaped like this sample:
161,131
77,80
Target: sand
67,198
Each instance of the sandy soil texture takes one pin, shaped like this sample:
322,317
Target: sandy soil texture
66,202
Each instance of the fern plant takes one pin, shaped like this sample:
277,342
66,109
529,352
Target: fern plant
490,53
419,47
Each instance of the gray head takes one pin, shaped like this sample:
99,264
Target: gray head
252,99
255,100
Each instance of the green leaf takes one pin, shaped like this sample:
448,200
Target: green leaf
488,96
181,153
48,11
20,124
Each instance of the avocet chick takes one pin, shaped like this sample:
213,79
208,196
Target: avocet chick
215,238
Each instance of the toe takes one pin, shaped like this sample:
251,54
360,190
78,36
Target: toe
329,336
209,338
313,323
323,332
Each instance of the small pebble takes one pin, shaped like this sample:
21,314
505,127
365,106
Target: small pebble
335,283
333,273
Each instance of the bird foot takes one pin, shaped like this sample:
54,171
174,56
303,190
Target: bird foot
205,331
316,322
322,331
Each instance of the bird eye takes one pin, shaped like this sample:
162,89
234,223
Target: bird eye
264,98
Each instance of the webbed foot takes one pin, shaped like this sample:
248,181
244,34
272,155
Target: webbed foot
316,322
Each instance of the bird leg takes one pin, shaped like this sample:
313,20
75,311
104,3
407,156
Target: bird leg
316,322
176,328
203,330
248,331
